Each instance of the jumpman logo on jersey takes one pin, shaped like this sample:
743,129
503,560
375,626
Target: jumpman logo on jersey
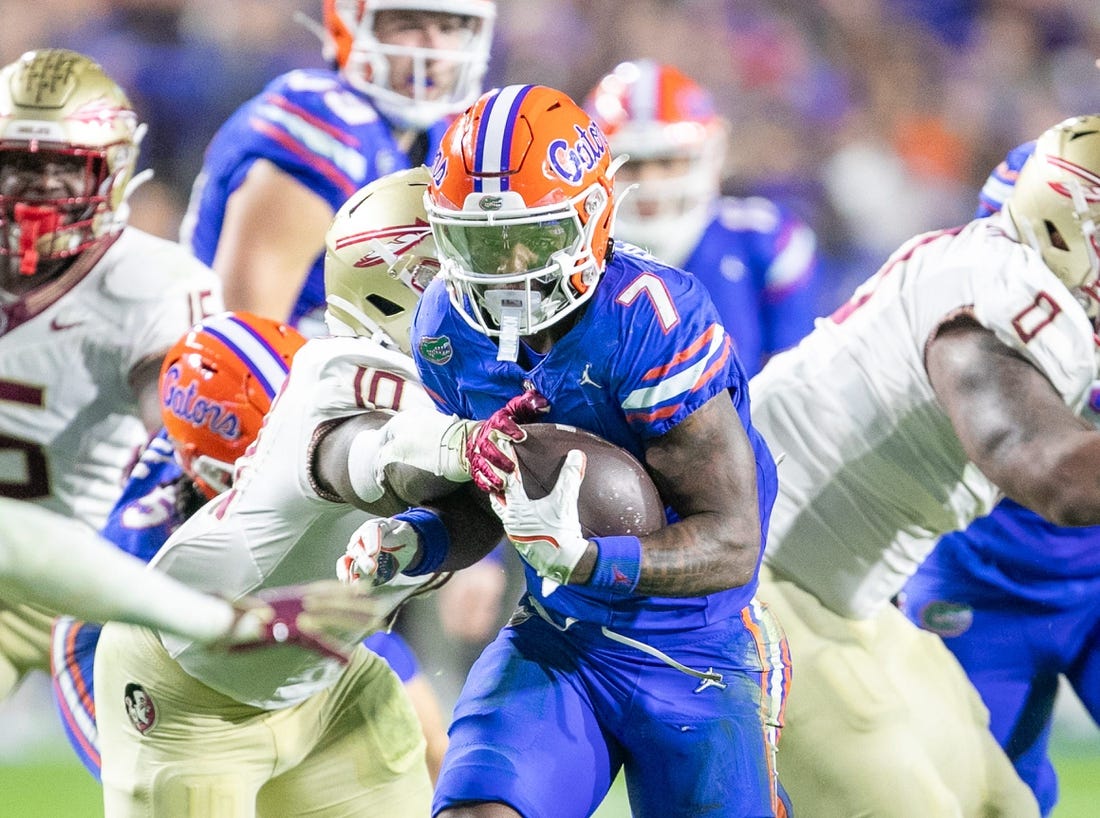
587,379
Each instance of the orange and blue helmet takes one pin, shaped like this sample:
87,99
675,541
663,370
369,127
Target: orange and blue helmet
521,205
216,384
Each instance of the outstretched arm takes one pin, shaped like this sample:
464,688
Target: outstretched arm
55,562
58,563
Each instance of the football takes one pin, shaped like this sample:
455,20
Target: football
617,495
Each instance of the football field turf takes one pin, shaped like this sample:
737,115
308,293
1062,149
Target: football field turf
55,788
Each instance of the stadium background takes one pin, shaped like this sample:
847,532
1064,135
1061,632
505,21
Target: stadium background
874,119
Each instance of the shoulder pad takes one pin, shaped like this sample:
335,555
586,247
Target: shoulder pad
143,267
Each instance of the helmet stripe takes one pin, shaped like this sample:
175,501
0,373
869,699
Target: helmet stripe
644,94
252,349
494,138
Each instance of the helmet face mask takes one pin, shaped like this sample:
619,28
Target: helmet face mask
216,385
418,60
668,127
521,206
1055,205
379,258
68,148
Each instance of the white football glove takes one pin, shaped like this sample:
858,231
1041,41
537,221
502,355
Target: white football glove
429,441
380,549
546,532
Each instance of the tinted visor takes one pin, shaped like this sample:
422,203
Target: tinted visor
503,249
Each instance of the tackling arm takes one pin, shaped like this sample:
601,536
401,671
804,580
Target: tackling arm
1014,425
58,563
386,470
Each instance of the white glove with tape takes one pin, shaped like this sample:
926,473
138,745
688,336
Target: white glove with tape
379,550
546,532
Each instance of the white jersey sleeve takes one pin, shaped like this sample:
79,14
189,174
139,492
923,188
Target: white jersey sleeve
58,563
274,527
873,471
69,424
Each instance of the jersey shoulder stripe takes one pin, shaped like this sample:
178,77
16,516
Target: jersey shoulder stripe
666,388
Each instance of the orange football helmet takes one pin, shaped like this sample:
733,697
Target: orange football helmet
61,116
655,113
216,385
521,206
365,61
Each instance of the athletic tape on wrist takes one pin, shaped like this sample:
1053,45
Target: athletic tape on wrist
435,542
618,564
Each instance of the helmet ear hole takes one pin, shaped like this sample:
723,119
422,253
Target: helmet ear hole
384,305
1055,236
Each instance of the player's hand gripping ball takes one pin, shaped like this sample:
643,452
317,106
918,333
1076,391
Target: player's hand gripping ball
617,496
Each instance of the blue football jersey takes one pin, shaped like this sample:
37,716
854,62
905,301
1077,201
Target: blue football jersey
648,350
313,126
759,263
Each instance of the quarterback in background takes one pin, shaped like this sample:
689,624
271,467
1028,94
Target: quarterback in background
279,168
647,654
757,259
88,307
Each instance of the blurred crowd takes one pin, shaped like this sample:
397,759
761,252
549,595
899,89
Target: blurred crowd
875,119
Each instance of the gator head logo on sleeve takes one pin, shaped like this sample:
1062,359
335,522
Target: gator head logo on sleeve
436,350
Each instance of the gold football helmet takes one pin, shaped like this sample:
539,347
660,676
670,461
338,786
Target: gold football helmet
379,257
68,147
1055,203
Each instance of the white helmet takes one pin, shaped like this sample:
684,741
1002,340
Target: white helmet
1055,204
365,61
379,257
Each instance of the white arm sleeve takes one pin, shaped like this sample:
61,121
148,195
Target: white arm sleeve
59,563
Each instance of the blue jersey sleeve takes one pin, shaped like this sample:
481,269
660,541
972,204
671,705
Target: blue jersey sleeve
998,186
147,512
674,354
397,653
759,263
313,127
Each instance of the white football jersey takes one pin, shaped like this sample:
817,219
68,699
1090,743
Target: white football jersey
69,422
273,528
873,472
